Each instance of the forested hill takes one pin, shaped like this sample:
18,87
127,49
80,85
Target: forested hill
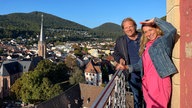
27,25
32,21
109,27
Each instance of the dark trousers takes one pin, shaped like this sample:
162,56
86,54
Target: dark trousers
134,82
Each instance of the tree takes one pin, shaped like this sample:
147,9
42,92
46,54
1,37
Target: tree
40,84
77,76
85,50
46,90
70,61
16,89
1,51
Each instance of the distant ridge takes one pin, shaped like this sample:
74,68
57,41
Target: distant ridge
109,27
34,18
27,25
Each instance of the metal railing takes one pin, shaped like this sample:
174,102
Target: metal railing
114,93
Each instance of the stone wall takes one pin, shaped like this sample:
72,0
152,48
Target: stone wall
173,16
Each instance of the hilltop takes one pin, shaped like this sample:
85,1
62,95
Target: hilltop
27,25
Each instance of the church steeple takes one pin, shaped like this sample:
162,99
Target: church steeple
41,33
42,49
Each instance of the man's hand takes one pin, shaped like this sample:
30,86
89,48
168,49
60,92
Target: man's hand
121,67
122,61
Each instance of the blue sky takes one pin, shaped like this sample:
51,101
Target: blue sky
90,13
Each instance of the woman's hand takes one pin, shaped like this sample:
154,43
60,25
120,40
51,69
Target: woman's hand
148,22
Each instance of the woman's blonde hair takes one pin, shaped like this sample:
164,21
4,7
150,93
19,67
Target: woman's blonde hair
144,39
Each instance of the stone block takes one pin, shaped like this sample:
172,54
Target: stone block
173,16
171,3
176,77
175,100
176,49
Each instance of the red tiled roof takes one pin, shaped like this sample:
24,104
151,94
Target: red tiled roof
90,68
89,92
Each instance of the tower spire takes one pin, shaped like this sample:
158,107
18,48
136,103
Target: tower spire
41,33
42,44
